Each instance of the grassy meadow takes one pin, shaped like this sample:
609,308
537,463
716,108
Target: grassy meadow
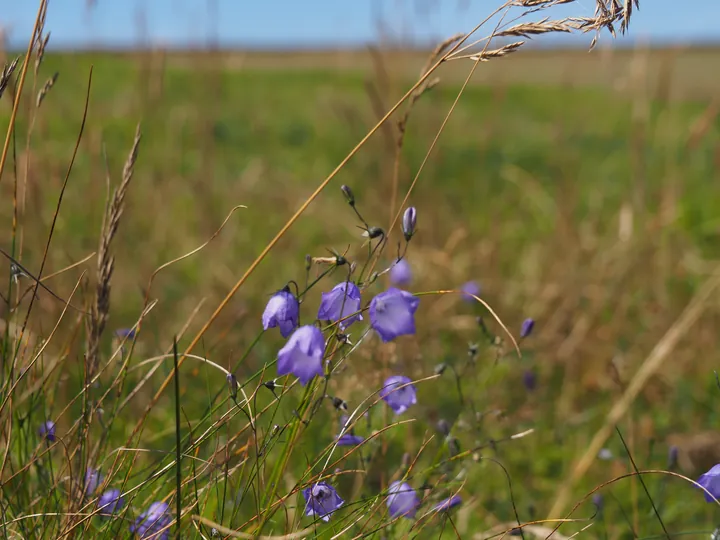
588,202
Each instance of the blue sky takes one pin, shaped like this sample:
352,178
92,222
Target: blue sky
312,23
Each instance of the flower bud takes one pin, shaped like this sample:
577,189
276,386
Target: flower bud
527,328
440,369
374,232
443,427
409,221
349,196
232,385
339,404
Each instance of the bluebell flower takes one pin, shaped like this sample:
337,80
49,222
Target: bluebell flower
711,481
447,504
110,502
342,301
527,328
672,457
599,502
399,399
47,430
322,500
302,355
93,479
402,500
392,313
409,222
125,333
283,311
529,380
470,288
348,439
152,521
400,273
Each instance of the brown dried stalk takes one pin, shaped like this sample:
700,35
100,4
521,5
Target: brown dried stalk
106,261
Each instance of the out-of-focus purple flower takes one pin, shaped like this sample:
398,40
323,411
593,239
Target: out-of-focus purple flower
322,500
152,521
110,502
672,457
283,311
400,273
232,385
711,481
599,502
402,500
530,380
409,222
93,479
470,288
342,301
447,504
605,454
125,333
399,399
348,439
47,430
302,355
392,313
527,328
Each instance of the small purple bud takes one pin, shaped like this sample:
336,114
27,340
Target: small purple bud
672,457
447,504
349,196
529,380
348,439
599,502
409,222
471,288
47,430
527,328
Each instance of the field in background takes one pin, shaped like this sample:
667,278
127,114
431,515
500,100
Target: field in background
579,189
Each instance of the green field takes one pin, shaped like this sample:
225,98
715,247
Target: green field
588,203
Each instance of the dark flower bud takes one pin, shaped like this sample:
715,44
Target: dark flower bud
374,232
672,457
308,262
440,368
527,328
232,385
517,531
453,446
340,260
270,385
529,380
599,502
349,196
443,427
339,404
473,350
409,222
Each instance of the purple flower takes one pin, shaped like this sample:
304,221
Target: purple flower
341,302
599,502
711,481
152,521
302,355
93,479
409,222
399,399
110,502
400,273
392,313
470,288
282,310
125,333
527,328
348,439
530,380
402,500
322,500
47,430
447,504
672,457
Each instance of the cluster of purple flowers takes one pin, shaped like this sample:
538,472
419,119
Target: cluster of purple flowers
392,314
110,501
